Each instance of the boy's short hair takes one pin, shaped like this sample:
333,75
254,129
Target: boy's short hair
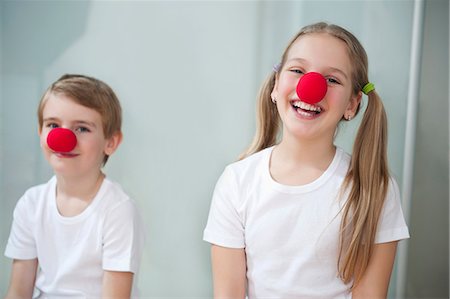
89,92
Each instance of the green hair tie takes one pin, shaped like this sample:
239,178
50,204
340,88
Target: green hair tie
368,88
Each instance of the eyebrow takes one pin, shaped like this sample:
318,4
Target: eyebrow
333,69
78,122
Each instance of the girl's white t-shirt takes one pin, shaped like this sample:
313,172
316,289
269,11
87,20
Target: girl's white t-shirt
290,233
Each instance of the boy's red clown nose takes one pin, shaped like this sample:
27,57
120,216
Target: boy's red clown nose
61,140
311,88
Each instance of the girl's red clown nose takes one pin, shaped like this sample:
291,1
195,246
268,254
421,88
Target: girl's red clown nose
311,88
61,140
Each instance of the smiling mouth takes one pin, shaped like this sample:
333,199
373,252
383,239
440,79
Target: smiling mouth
305,109
65,155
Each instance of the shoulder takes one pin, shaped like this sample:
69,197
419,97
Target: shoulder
115,200
37,195
41,189
393,189
343,156
250,166
114,192
393,197
240,177
341,163
121,218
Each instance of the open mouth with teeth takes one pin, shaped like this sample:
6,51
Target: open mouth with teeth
305,109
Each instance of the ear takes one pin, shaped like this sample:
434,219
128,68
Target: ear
355,100
274,93
113,143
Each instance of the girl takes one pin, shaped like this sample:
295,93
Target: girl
300,218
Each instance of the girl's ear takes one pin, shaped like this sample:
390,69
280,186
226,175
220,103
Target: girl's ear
274,93
113,143
354,103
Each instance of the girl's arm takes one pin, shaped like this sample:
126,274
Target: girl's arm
117,285
229,269
23,277
375,281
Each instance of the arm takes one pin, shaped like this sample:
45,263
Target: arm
229,269
117,284
375,281
23,277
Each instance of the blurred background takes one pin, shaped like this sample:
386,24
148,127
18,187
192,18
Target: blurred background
187,74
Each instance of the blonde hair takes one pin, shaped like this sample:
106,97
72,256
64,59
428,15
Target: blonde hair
89,92
368,175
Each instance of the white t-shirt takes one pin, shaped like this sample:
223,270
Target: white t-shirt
290,233
73,252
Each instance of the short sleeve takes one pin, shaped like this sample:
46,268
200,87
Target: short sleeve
392,225
123,238
21,243
225,225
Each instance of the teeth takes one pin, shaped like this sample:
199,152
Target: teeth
306,106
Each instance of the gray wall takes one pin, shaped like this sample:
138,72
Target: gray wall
428,264
187,74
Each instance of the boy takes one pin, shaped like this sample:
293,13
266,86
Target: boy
78,235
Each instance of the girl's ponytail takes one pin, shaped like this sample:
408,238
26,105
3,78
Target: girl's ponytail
268,121
367,181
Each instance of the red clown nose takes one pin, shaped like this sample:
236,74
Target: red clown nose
61,140
311,88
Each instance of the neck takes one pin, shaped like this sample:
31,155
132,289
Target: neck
299,162
317,152
82,187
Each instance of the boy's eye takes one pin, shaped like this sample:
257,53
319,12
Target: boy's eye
52,125
82,129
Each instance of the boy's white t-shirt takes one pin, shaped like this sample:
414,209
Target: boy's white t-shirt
290,233
73,252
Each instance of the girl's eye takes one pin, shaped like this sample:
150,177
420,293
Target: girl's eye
297,71
333,81
82,129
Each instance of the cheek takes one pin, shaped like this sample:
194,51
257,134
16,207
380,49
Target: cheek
287,83
98,146
43,139
90,143
338,96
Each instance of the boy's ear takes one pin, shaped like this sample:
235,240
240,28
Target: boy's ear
113,143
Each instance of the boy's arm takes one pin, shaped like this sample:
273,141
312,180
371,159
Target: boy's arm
23,277
375,281
117,285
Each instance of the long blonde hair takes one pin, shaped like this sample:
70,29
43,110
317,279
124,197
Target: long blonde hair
368,175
